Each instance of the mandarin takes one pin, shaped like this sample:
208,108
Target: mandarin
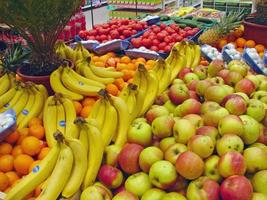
31,145
86,111
12,177
12,138
4,182
44,151
78,107
112,89
5,148
240,42
260,48
125,59
250,43
119,82
88,101
37,131
6,163
35,121
22,163
17,150
23,132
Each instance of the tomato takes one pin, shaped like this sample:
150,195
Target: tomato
155,42
161,36
162,45
146,43
154,48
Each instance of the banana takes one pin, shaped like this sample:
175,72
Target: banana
68,51
189,52
95,110
197,55
5,98
179,62
5,83
140,98
124,120
96,151
152,90
103,72
158,67
78,54
58,87
124,94
50,121
18,107
173,55
43,90
61,118
71,128
85,52
83,137
78,86
163,73
110,124
14,100
131,100
100,118
79,167
87,81
12,79
61,173
39,174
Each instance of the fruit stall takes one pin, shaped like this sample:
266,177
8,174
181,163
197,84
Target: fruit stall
167,107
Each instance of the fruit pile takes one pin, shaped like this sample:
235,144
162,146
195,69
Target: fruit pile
114,29
161,38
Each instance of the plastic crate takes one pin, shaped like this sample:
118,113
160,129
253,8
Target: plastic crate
134,53
114,45
7,123
251,63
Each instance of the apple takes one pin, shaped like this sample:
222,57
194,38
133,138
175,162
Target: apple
201,72
178,81
251,129
193,95
153,194
263,135
203,188
231,124
229,142
242,94
92,193
235,104
233,78
259,196
259,182
260,145
223,73
263,85
183,72
111,154
162,98
228,89
236,188
238,66
162,174
214,67
211,168
254,79
192,85
216,80
110,176
183,130
246,86
138,183
256,109
149,156
202,86
190,77
125,195
231,163
166,142
195,119
202,145
178,93
139,119
173,152
105,192
140,133
155,112
179,186
209,106
189,106
210,131
264,121
162,126
256,159
189,165
173,196
129,158
213,118
215,93
170,106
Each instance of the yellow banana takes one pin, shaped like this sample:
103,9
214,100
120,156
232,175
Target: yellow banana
14,100
5,98
95,110
131,100
79,167
163,73
189,51
124,94
5,84
43,90
83,137
58,87
39,174
61,118
59,176
197,55
140,98
103,72
18,107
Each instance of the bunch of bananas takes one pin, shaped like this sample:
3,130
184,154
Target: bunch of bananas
183,54
26,99
184,11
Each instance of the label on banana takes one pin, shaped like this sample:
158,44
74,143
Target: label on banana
25,112
81,83
36,169
62,123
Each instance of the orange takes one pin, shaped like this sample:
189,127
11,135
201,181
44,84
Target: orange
141,60
12,138
151,62
240,42
17,150
260,48
6,163
5,148
147,66
38,190
88,101
31,145
33,165
221,43
99,64
8,189
127,74
95,59
119,82
111,54
35,121
238,33
78,107
112,89
111,62
4,182
37,131
104,59
121,66
117,60
231,38
86,111
240,50
131,66
204,62
12,177
22,163
125,59
44,151
250,44
23,132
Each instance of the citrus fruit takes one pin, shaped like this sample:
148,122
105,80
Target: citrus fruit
37,131
12,177
4,182
31,145
250,44
78,107
112,89
5,148
240,42
17,150
6,163
35,121
12,138
44,151
22,163
86,111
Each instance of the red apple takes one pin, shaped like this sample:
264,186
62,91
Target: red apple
183,72
110,176
223,73
235,104
178,93
246,86
124,195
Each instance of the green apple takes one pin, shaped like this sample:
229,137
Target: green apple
172,153
232,78
166,142
149,156
254,79
202,145
124,195
260,145
140,119
256,159
211,169
229,142
155,112
170,106
111,154
231,124
201,72
190,77
178,81
228,89
215,93
138,183
209,106
140,133
216,80
213,118
202,86
214,67
251,129
162,126
173,196
238,66
259,196
197,120
91,193
256,109
183,130
263,85
210,131
153,194
259,182
162,174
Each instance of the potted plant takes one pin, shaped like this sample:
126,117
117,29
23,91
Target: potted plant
256,23
39,22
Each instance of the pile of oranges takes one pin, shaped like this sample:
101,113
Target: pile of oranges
20,152
84,107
